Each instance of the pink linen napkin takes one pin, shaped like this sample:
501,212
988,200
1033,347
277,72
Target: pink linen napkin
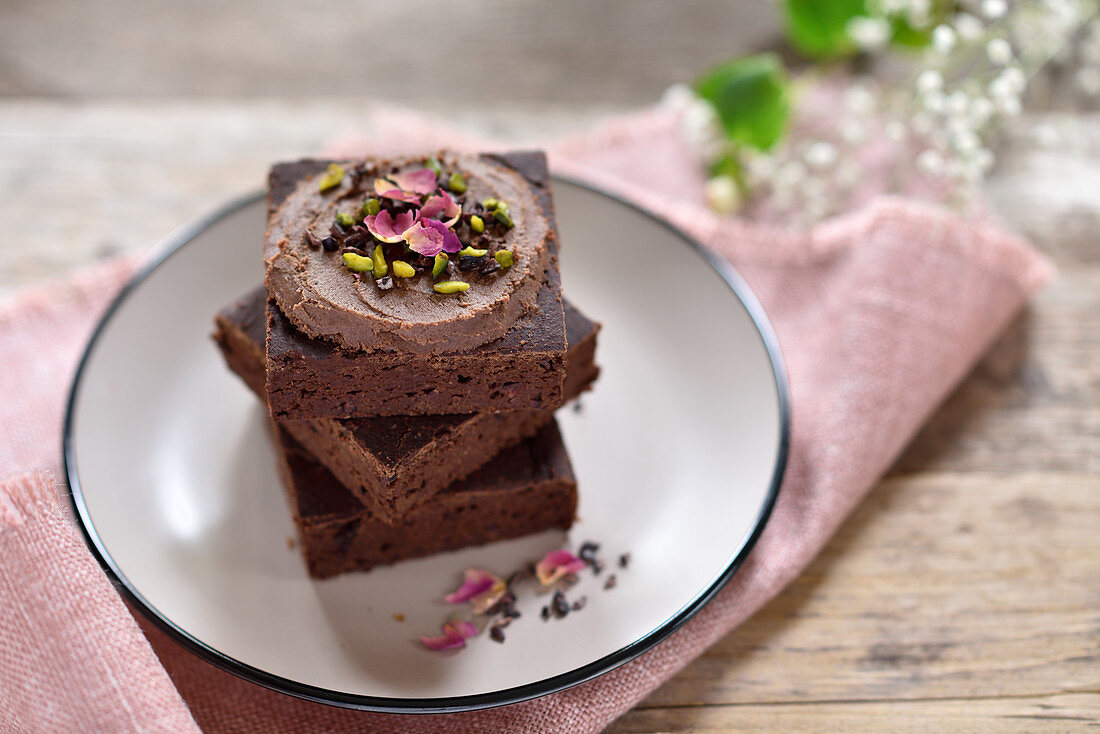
879,312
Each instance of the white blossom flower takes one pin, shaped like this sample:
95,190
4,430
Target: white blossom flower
968,27
943,39
929,80
723,195
999,51
930,161
994,9
820,154
869,34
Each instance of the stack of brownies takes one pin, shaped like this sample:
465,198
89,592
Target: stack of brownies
412,343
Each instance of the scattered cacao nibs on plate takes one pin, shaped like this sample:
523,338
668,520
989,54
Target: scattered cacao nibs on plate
545,613
610,583
597,567
624,560
587,552
578,604
559,604
496,633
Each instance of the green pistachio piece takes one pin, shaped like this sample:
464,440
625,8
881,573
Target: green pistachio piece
402,269
504,258
334,174
451,286
369,208
440,264
472,252
490,204
380,267
457,183
503,217
502,206
434,164
344,219
477,224
358,263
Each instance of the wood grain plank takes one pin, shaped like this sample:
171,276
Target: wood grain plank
484,51
1056,713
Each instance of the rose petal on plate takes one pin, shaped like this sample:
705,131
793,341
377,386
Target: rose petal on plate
420,181
388,228
426,241
475,581
557,564
454,636
484,601
443,204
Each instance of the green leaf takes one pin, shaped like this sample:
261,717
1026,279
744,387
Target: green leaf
750,96
817,28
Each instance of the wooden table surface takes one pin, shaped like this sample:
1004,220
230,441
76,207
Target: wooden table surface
962,595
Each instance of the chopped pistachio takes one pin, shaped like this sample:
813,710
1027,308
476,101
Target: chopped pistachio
440,264
369,208
502,216
477,224
457,183
468,251
334,174
451,286
490,204
402,269
358,263
344,219
380,267
502,206
504,257
434,164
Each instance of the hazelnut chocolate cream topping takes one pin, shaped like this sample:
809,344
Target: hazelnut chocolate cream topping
419,254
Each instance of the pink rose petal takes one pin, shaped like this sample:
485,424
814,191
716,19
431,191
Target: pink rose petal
474,582
450,239
454,635
556,564
420,181
480,587
390,190
426,241
388,228
442,204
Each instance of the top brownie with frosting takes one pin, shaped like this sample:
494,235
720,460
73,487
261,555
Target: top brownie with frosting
422,254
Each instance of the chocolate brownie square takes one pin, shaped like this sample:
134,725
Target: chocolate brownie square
311,374
394,463
525,489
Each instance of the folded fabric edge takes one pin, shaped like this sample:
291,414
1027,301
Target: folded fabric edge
24,495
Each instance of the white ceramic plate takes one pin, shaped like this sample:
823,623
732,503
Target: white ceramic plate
678,451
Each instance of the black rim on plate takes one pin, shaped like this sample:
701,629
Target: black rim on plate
181,238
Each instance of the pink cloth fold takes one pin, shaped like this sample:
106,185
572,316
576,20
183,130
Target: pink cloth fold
879,313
